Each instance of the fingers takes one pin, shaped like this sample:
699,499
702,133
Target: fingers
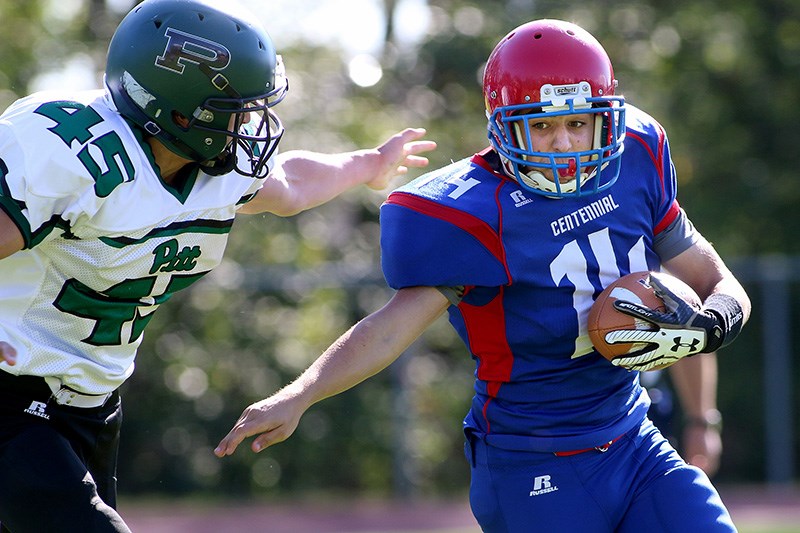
702,448
675,303
411,151
642,359
411,134
246,426
642,362
646,358
663,346
414,161
412,146
271,421
417,161
658,285
399,153
671,300
266,440
234,438
229,444
680,342
418,147
638,311
8,353
630,335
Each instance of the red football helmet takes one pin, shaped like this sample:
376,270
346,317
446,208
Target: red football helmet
547,68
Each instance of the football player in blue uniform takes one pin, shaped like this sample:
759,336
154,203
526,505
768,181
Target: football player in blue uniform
113,199
515,243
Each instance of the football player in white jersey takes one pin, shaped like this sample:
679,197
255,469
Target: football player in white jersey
110,201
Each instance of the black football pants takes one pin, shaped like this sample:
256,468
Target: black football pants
57,463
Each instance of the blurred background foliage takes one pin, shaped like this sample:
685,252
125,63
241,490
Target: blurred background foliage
722,77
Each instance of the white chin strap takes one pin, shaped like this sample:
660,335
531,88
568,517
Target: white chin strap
536,180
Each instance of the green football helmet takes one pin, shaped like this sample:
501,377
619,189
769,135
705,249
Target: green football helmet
201,76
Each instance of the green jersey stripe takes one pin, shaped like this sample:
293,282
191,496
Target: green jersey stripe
176,228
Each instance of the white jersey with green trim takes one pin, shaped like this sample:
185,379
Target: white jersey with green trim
106,240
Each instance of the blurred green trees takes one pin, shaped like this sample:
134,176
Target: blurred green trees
721,76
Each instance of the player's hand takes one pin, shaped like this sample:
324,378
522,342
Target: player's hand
8,353
399,153
702,447
681,331
273,419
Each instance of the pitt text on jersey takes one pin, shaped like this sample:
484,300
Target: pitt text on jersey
169,259
583,215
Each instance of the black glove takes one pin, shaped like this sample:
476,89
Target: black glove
682,330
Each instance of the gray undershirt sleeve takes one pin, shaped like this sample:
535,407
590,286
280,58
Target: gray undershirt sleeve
677,238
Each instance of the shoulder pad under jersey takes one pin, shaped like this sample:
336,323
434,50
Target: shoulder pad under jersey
441,230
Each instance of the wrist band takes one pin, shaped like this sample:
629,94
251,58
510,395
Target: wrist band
730,315
712,419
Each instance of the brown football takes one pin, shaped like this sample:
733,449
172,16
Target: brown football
635,287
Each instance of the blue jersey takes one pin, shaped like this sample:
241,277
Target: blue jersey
531,267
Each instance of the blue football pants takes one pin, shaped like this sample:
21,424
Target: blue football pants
639,484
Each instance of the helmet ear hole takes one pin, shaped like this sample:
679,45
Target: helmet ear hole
605,132
180,120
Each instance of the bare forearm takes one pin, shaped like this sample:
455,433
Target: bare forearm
311,179
705,271
371,345
360,353
366,349
301,179
695,380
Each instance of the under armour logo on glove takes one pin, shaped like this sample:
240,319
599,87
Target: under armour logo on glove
692,346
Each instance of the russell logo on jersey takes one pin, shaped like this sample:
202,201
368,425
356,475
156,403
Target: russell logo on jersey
542,485
520,199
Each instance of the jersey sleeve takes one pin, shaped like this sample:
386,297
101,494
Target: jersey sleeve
668,209
29,194
424,243
251,192
61,157
650,140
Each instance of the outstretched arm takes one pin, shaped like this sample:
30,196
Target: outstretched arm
366,349
695,381
302,179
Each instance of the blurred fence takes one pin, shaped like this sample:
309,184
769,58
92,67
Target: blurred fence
774,276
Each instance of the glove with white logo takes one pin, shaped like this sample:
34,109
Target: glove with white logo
681,331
